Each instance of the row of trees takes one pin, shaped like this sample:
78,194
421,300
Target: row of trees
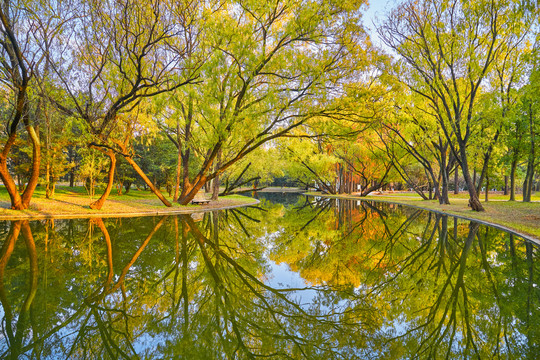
460,95
186,93
217,79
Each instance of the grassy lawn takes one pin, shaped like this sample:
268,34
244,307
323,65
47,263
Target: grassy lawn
74,202
518,216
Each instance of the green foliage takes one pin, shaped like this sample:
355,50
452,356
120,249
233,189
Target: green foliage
305,277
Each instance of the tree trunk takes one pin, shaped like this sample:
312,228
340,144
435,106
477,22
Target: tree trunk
444,190
529,176
513,179
487,157
178,175
474,201
18,79
127,186
443,198
21,202
48,193
456,180
53,186
189,190
98,204
340,179
119,187
47,179
36,162
143,176
528,183
71,178
505,184
7,179
487,186
20,182
147,181
216,181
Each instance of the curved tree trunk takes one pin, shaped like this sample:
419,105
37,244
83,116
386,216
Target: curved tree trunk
97,295
21,202
98,204
7,179
36,161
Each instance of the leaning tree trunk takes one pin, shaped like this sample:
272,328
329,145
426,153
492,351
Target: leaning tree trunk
98,204
141,173
147,181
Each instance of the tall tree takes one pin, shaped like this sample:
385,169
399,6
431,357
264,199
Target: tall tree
270,69
446,50
118,54
18,59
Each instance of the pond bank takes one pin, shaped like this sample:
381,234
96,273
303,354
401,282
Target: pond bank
520,218
76,206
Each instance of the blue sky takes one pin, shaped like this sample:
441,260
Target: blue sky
376,8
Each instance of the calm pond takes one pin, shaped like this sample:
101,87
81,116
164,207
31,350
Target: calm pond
292,278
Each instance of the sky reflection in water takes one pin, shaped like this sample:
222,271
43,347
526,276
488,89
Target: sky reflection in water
294,277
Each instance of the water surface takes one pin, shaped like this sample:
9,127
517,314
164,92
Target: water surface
292,278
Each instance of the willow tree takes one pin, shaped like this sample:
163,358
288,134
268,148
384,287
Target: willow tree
115,55
446,51
271,67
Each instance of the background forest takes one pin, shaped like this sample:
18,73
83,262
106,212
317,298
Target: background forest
179,96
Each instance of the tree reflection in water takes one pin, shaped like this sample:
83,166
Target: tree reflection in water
378,281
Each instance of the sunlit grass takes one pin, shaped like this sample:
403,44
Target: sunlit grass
75,201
